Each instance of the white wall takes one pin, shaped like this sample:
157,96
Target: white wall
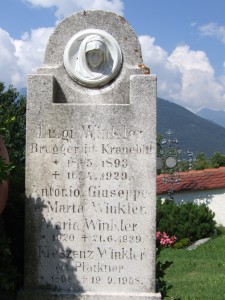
214,199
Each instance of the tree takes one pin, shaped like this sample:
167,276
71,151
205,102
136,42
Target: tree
12,128
201,162
5,168
217,160
12,123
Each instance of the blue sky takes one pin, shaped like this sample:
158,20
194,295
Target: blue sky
183,42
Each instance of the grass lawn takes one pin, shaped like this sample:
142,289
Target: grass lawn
197,274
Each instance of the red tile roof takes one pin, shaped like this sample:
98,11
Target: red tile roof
194,180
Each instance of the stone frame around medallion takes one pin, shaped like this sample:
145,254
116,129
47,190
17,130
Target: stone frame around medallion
75,58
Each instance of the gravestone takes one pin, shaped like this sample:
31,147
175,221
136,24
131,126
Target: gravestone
91,165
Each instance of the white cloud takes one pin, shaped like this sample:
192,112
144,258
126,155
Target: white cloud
22,57
187,59
184,76
156,59
200,87
8,61
64,8
213,30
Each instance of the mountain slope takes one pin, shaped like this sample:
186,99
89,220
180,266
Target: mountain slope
216,116
193,132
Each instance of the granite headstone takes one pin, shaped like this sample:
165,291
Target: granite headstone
91,165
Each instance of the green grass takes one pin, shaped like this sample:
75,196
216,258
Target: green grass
197,274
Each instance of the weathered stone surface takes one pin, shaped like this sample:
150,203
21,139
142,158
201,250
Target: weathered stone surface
90,175
40,295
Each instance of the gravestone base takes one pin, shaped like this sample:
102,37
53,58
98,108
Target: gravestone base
42,295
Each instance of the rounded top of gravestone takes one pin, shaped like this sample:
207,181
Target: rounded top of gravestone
122,43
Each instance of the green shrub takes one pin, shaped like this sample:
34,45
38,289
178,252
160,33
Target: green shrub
12,128
220,230
8,270
161,267
182,243
185,220
4,170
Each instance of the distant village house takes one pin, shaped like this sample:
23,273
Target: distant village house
203,186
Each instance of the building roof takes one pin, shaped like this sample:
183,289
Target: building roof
194,180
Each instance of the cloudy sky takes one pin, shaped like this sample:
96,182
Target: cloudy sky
183,42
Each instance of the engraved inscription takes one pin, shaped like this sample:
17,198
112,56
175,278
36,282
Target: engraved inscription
90,204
